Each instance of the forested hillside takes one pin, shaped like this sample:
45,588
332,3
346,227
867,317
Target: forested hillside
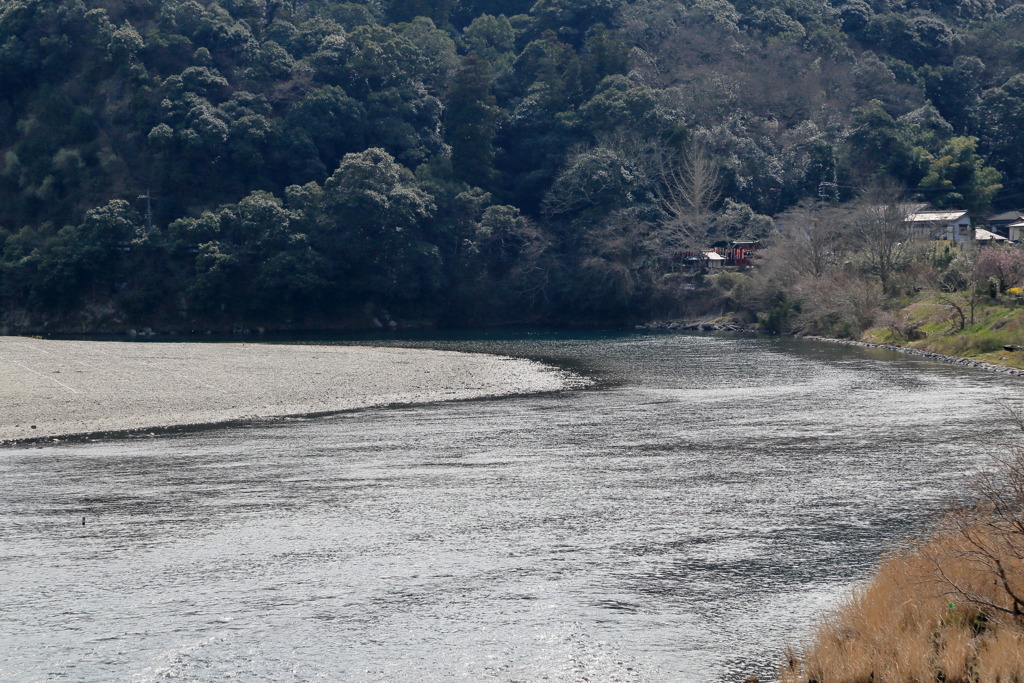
310,163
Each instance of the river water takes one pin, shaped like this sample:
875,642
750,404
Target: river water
681,520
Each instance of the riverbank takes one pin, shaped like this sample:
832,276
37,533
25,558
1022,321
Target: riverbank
56,389
927,355
733,325
943,608
991,331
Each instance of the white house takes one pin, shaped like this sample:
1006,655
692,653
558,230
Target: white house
1016,231
954,226
709,258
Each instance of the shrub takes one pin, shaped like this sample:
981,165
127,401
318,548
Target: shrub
949,608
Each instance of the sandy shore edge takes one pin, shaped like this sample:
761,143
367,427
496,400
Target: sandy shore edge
57,389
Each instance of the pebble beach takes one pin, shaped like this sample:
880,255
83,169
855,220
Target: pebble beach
52,389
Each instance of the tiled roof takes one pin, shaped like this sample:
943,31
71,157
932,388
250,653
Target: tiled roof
986,236
930,216
1006,216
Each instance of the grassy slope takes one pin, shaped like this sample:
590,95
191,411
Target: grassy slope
996,324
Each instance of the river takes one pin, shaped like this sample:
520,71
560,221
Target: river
681,520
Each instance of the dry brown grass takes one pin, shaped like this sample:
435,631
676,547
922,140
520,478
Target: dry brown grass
947,609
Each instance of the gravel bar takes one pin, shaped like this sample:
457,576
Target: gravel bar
55,389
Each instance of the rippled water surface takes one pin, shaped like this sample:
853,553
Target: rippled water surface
680,521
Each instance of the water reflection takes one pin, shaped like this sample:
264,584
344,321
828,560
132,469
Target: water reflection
678,523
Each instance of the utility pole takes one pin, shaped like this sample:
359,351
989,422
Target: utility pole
149,208
828,191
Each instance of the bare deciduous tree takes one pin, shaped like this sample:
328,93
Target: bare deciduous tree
984,563
686,186
812,237
844,303
688,183
957,286
880,231
683,184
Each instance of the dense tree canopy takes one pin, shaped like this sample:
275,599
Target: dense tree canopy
462,161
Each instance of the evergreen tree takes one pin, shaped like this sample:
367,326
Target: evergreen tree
470,120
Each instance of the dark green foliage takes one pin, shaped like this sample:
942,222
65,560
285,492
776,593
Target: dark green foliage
1002,108
462,160
875,145
333,123
593,184
471,120
914,38
958,177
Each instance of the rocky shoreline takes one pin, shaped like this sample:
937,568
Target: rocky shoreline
705,326
937,357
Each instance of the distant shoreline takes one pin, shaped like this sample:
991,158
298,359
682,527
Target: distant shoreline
58,389
908,350
927,355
